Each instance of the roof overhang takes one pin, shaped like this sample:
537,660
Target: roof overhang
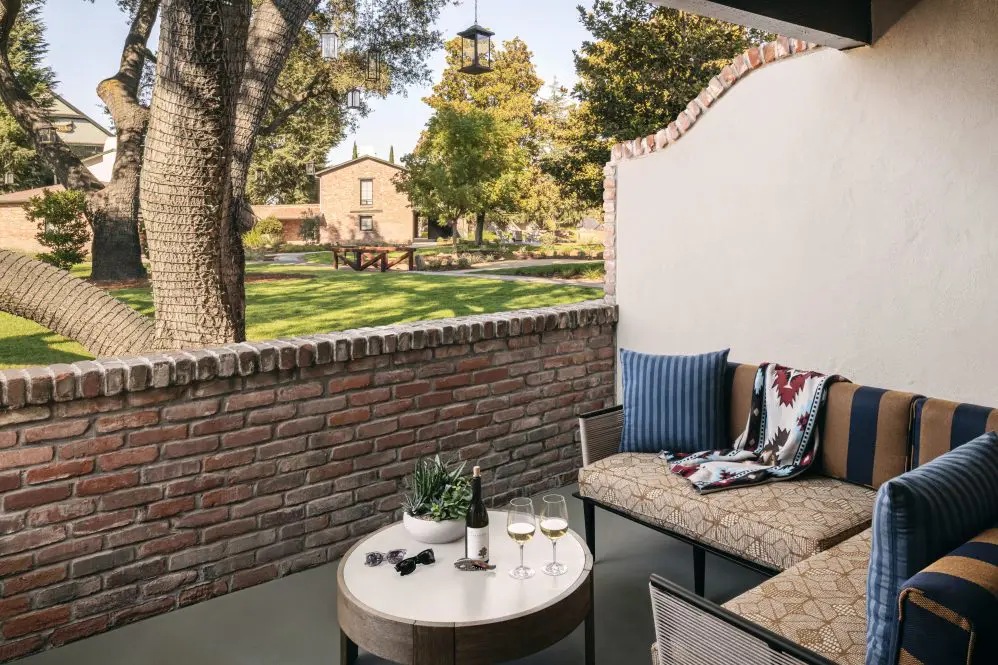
840,24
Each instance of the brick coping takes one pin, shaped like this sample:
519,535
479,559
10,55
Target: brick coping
742,65
20,388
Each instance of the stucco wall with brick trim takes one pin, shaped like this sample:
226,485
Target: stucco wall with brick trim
132,487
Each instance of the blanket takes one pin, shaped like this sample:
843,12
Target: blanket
780,440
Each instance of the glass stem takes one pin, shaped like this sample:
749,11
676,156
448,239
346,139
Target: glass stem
521,555
554,551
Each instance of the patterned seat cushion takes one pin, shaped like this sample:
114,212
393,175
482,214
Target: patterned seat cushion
777,524
819,604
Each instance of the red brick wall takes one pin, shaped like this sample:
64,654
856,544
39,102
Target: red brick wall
130,488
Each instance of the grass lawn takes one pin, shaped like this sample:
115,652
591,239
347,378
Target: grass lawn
321,300
590,270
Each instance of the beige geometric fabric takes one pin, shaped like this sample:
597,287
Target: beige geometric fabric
778,524
819,604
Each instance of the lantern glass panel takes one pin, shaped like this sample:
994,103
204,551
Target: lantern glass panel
330,42
353,99
374,65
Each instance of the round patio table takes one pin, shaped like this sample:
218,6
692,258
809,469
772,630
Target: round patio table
440,615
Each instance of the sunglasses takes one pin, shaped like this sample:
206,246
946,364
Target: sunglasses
377,558
407,566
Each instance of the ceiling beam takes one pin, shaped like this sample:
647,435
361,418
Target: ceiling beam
840,24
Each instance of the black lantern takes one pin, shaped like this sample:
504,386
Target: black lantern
330,43
354,100
310,168
47,135
374,65
476,48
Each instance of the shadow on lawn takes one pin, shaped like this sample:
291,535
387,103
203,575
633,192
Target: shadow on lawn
23,348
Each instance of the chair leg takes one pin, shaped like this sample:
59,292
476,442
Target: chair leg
589,512
699,564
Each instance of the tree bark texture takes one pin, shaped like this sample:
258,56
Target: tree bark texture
71,307
479,228
185,189
114,211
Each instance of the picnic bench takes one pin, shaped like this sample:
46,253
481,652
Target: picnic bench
366,257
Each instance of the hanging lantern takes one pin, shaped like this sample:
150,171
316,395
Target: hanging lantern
8,178
374,65
476,48
330,43
310,169
354,100
47,136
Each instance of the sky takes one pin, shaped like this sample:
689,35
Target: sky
85,43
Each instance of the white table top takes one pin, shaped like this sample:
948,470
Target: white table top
441,593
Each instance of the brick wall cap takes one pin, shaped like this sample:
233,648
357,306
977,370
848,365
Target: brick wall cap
20,388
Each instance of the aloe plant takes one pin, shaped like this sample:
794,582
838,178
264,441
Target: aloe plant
436,491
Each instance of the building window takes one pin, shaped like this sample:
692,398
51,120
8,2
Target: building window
366,223
367,192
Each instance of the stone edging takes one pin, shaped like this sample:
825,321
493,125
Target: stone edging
112,376
744,64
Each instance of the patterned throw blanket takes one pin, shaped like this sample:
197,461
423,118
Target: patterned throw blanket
780,440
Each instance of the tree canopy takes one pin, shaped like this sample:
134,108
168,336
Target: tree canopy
642,68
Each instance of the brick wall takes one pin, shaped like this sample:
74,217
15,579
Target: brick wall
133,487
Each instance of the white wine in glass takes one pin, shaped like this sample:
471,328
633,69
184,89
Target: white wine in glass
554,525
521,525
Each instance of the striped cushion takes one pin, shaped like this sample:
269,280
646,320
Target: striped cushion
673,402
918,518
941,426
865,435
949,611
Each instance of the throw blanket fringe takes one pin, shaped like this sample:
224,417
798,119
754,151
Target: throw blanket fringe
780,440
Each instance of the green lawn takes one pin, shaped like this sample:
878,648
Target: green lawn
323,300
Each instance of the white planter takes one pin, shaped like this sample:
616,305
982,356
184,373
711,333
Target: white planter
433,533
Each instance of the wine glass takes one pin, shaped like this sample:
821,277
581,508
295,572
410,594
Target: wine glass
520,525
554,525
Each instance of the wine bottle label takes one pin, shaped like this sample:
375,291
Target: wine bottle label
477,541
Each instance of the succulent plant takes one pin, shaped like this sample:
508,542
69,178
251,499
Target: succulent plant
436,491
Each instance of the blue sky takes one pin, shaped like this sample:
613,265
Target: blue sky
85,44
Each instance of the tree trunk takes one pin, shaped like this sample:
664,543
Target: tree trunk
71,307
272,34
479,228
185,190
113,213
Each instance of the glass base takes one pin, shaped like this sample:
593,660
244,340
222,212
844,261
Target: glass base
554,569
521,573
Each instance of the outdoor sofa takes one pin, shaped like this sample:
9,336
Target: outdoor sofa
811,535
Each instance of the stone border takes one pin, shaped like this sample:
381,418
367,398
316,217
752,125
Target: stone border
744,64
88,379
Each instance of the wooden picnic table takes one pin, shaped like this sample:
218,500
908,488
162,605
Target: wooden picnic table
378,257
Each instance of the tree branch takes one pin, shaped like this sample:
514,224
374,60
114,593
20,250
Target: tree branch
295,104
32,118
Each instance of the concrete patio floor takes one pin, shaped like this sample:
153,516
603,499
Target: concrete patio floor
292,621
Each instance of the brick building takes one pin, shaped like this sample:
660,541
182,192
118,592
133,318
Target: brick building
359,203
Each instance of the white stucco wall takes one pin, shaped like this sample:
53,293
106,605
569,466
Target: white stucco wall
836,211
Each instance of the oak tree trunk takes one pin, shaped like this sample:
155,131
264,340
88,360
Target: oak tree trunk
185,190
71,307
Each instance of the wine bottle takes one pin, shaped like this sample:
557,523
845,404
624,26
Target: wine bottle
476,541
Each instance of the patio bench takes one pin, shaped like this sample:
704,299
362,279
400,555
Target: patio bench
812,610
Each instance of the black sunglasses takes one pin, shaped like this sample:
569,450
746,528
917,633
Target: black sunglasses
377,558
407,566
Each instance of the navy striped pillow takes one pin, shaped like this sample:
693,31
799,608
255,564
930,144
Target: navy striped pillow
919,517
673,403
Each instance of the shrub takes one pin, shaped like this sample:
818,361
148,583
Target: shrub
309,230
266,236
61,226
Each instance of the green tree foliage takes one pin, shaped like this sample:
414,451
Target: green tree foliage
308,231
391,155
356,153
308,116
644,66
467,160
27,53
62,227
